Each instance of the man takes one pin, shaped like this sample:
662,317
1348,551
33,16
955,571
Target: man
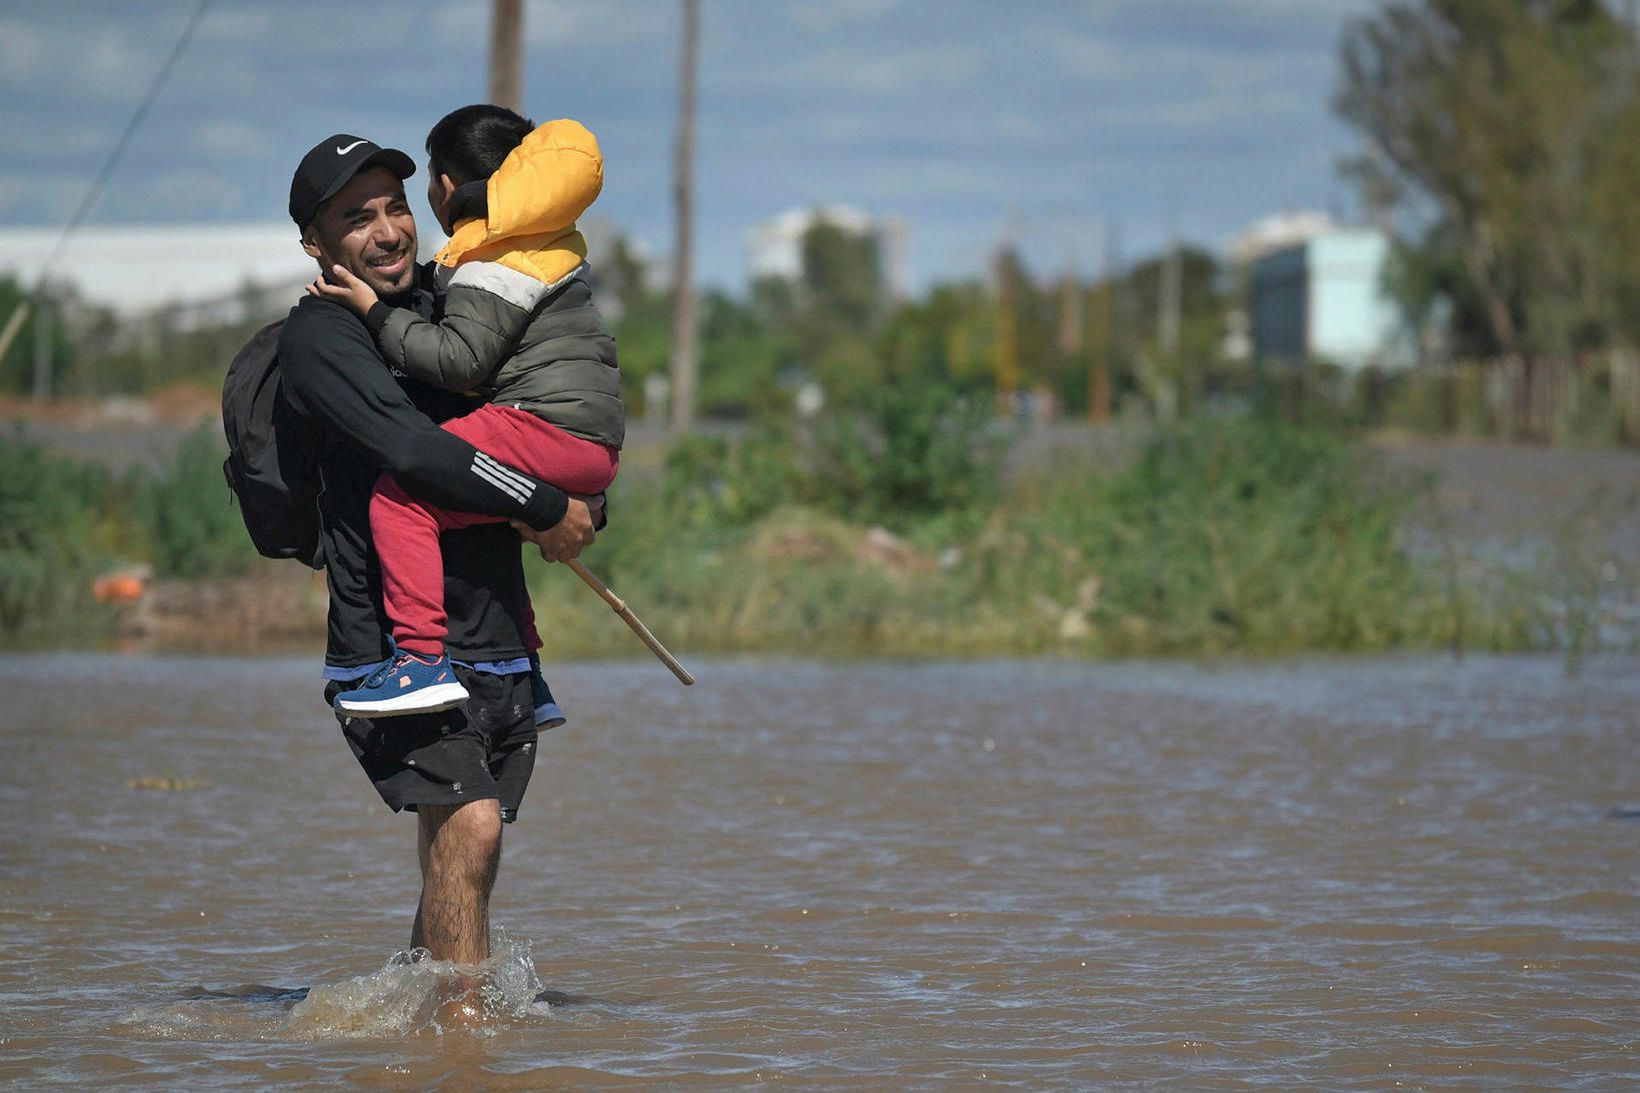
462,771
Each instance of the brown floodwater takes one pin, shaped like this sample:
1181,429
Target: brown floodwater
1368,874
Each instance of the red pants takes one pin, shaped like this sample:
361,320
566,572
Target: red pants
406,531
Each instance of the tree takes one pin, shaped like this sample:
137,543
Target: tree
836,309
42,331
842,276
1489,123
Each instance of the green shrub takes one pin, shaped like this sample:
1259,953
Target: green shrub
188,517
1249,535
905,452
56,530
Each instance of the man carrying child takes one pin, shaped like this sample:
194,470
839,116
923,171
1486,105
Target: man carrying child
464,769
518,327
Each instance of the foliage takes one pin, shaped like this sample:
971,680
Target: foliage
715,479
1506,128
843,279
910,449
191,525
743,359
64,523
46,318
1249,534
1217,537
56,532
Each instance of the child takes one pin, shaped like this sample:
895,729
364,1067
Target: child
518,326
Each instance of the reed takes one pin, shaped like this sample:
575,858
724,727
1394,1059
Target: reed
1222,537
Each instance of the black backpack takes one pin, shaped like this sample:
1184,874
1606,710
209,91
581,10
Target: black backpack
272,464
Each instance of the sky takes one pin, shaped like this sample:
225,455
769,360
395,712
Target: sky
1041,122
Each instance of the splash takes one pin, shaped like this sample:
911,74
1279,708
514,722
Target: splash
414,993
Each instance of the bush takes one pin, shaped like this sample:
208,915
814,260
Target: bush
907,452
56,527
1249,535
188,516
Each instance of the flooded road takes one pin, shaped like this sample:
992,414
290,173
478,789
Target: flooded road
1358,874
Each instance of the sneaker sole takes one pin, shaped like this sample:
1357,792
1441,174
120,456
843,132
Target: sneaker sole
444,696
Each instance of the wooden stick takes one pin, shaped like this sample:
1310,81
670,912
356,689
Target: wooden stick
634,622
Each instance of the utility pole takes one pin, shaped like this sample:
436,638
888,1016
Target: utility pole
1070,309
507,54
1167,306
1167,315
1072,325
685,363
1104,361
14,327
1006,359
42,354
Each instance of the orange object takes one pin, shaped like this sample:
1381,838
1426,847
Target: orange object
119,588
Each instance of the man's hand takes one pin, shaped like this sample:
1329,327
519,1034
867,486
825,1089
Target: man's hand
571,535
348,290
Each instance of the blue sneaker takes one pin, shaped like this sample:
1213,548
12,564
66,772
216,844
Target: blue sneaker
547,713
406,684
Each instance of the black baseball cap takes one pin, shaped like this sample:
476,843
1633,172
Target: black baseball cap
331,164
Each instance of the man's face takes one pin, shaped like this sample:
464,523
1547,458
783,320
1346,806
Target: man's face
368,230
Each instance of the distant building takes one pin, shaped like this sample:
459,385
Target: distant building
202,273
1276,232
1323,299
775,247
135,269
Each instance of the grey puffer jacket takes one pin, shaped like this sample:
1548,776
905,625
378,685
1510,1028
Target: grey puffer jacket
542,348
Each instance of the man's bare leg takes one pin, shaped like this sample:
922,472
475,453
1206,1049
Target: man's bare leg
460,850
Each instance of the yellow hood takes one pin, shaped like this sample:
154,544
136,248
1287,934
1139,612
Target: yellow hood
533,200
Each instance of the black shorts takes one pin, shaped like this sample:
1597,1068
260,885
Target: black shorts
481,750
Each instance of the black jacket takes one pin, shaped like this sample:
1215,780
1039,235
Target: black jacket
372,422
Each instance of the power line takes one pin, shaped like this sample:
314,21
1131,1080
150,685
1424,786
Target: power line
154,89
42,380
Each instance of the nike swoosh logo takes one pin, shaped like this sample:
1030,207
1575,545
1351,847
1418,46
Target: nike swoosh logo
349,148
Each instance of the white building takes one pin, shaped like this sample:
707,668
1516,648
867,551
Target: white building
1276,232
136,268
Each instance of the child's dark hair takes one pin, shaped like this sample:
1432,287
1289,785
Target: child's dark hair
469,144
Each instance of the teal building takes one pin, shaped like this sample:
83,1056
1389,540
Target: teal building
1323,301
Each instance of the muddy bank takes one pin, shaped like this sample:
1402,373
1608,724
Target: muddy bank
275,606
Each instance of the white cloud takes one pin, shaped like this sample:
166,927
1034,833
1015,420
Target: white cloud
27,134
1312,13
236,25
188,194
1209,110
832,14
561,23
40,197
1113,61
22,52
841,128
114,65
949,176
106,63
232,140
1020,127
921,69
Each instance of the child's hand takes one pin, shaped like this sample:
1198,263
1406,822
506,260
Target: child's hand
350,291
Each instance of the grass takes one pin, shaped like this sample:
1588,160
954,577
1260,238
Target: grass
64,523
1245,537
